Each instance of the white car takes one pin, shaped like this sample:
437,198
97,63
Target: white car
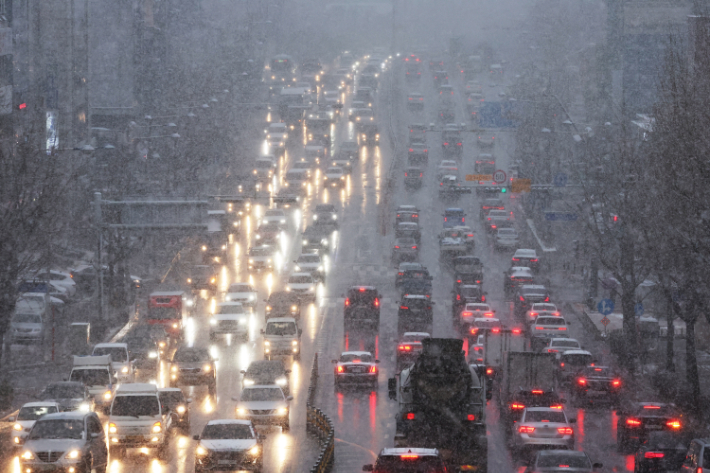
241,292
334,177
230,318
475,310
277,216
120,360
229,443
482,324
467,235
548,325
265,405
446,167
561,345
543,427
303,285
310,263
58,278
476,351
506,238
26,418
541,308
314,149
278,130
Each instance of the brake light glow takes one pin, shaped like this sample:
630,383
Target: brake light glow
488,314
405,347
673,424
633,423
565,430
489,371
458,297
347,302
362,289
409,416
466,314
515,405
377,302
409,456
340,369
373,369
616,383
537,391
526,429
396,246
474,331
651,407
404,307
653,455
582,381
556,406
495,330
516,331
471,417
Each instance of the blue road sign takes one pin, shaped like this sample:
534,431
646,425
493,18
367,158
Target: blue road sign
638,309
498,115
560,216
605,306
560,180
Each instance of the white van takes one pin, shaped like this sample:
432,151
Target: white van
137,420
96,373
28,318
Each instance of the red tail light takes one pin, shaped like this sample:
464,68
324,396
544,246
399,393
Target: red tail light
446,144
400,274
421,174
673,424
565,430
483,298
466,314
547,299
493,226
495,330
556,406
463,219
458,297
489,371
396,246
517,406
409,456
525,429
405,174
654,455
633,423
534,260
474,331
459,144
414,247
651,407
522,299
534,314
616,383
516,259
373,369
377,302
537,391
347,302
471,417
411,150
582,381
405,348
552,350
516,331
404,307
340,369
488,314
409,416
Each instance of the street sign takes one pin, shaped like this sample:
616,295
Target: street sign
560,180
499,177
560,216
605,306
638,309
605,321
521,185
479,177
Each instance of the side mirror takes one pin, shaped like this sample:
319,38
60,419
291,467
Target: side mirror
188,400
11,419
432,303
195,437
289,398
569,323
597,465
260,437
368,468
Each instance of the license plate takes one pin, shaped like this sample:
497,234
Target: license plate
134,438
358,370
226,462
654,427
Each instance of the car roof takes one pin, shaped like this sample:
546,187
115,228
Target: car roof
281,319
39,404
533,287
417,334
70,415
229,421
266,363
356,353
558,339
402,451
576,453
525,252
130,388
415,296
576,352
110,345
169,390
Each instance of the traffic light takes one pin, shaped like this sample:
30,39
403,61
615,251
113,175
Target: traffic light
503,190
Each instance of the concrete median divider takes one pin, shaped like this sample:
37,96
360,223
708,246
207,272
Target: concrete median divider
319,425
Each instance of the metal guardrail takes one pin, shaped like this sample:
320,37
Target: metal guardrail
319,425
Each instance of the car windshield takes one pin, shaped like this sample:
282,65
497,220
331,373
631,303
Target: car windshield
356,358
280,328
171,398
63,392
413,303
563,460
361,297
576,359
507,232
260,251
138,344
163,313
263,165
20,318
309,259
550,321
230,309
135,406
119,354
300,280
411,464
226,431
544,307
34,412
239,288
91,377
262,394
413,338
545,416
274,213
191,356
470,291
57,429
565,344
598,371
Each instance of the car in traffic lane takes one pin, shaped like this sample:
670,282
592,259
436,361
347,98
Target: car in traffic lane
264,405
356,368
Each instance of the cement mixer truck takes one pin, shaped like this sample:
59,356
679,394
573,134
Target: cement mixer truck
442,405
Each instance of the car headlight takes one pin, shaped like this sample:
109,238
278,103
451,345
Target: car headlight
268,308
267,343
305,242
207,368
335,217
281,381
294,342
190,302
248,382
108,395
189,280
175,325
324,241
204,248
242,321
112,429
124,370
251,297
282,411
153,354
288,288
181,409
241,411
213,322
254,450
251,260
294,308
311,289
201,451
227,298
27,455
174,369
17,427
283,220
157,428
213,280
73,454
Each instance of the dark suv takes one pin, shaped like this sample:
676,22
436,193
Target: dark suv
193,366
415,314
464,294
636,419
282,304
362,308
527,295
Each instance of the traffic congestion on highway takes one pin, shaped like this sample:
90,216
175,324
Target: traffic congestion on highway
380,231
